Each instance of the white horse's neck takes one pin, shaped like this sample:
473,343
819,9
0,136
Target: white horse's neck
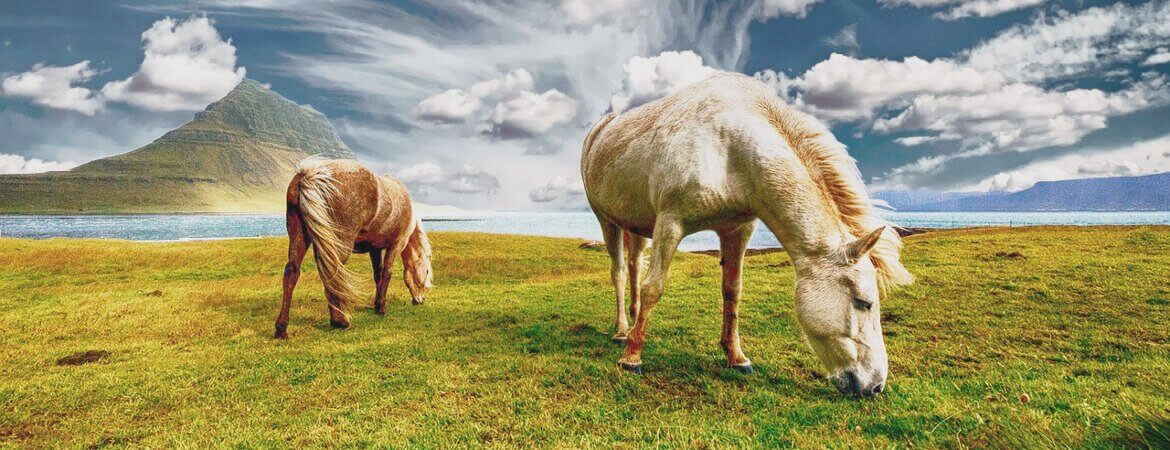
803,223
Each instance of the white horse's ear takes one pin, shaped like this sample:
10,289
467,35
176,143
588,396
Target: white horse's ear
856,249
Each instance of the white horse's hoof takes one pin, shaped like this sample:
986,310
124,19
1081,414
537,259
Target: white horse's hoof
619,338
634,368
745,368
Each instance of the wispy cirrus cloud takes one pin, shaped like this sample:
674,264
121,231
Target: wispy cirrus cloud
960,9
528,77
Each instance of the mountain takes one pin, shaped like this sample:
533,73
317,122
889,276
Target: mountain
235,156
911,200
1139,193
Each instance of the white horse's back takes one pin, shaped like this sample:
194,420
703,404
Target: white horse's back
689,153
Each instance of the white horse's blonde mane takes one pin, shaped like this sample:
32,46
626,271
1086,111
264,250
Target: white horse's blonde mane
841,186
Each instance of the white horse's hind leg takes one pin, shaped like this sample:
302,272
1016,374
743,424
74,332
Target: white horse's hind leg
732,245
635,245
617,274
668,231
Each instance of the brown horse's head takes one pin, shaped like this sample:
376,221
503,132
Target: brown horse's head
416,260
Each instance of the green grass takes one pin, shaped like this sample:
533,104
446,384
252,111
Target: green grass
512,349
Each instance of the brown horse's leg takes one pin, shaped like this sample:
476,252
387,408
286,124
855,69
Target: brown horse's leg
298,244
634,246
668,232
617,275
337,316
381,280
732,245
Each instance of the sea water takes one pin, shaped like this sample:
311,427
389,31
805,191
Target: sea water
170,227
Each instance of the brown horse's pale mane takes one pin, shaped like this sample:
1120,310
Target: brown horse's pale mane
841,187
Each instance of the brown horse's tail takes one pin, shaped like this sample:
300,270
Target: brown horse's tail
416,262
317,190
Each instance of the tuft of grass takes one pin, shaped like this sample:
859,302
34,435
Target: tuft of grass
1067,346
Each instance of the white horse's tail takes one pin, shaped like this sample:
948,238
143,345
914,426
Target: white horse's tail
316,191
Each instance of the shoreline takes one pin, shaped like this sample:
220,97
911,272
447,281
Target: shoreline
902,232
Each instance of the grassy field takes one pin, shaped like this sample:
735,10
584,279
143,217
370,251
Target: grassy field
1044,337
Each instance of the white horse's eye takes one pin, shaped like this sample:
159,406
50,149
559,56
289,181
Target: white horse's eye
861,305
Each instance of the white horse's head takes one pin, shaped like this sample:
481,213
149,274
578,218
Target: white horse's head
837,306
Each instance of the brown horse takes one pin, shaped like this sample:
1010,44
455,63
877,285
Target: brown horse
340,208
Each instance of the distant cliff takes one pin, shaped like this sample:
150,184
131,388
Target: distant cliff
1140,193
236,156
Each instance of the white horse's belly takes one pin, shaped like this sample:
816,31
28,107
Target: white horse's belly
698,202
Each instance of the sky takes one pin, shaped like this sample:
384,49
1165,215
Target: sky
484,105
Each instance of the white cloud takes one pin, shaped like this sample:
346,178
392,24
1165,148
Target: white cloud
780,82
78,137
648,79
529,114
450,106
1013,92
1161,56
1101,167
771,9
1022,117
847,88
186,66
423,173
985,8
467,179
959,9
510,85
910,141
517,113
53,87
18,164
1016,180
559,190
471,179
1141,158
1069,44
845,39
589,12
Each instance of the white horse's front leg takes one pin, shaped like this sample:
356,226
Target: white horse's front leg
617,275
668,232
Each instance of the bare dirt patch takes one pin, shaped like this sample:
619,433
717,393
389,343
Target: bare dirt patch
85,357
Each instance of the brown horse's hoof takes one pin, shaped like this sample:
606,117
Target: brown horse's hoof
281,331
380,311
339,325
634,368
745,369
416,301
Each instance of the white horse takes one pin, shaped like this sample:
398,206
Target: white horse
717,155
